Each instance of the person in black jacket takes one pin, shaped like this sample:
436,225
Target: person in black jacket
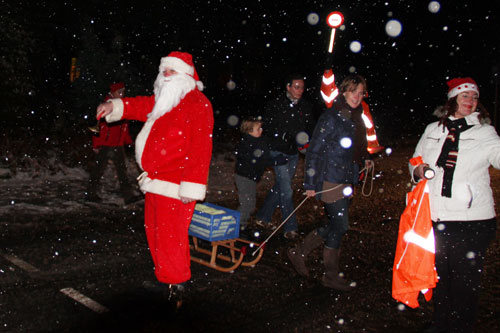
289,121
252,158
334,158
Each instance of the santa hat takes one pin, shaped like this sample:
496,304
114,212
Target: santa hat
116,86
181,62
459,85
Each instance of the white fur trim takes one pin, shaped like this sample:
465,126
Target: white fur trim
200,85
173,190
117,113
193,190
176,64
462,88
160,187
140,141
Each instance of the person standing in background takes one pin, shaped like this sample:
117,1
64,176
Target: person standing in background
108,143
252,158
289,121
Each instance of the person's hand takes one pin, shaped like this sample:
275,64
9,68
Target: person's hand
369,164
104,109
310,193
419,171
186,200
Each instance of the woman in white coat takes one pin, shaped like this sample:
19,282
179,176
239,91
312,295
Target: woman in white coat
460,147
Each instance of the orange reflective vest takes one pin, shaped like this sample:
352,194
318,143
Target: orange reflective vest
414,270
371,135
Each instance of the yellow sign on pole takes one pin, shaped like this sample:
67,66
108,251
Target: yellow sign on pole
74,72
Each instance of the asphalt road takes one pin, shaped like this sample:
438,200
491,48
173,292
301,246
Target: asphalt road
74,272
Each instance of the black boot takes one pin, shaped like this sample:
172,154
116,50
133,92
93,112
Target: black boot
176,294
297,255
331,279
171,293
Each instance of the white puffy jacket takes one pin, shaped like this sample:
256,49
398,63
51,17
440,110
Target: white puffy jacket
478,149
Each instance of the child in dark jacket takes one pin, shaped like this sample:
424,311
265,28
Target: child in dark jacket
252,158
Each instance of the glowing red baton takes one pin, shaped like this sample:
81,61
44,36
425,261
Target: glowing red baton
334,20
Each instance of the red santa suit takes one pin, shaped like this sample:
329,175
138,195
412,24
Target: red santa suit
173,149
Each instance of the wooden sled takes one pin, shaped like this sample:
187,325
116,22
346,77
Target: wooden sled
225,255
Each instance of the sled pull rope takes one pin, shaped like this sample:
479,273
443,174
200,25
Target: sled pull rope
289,216
369,173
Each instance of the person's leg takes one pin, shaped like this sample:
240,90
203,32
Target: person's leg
466,263
338,222
150,223
441,293
285,176
96,172
271,202
167,222
121,171
298,254
246,195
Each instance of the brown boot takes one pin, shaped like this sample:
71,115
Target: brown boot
331,279
297,255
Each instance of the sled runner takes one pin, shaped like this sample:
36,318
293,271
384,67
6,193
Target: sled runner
225,255
214,233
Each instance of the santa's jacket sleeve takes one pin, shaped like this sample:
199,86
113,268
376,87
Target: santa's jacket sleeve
195,174
137,108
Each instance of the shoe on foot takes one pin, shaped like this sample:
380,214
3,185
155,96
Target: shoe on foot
262,224
291,235
175,295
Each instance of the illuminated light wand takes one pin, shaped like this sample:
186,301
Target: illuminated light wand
329,90
334,20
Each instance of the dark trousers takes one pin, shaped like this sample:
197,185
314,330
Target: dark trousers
117,155
338,223
460,251
247,193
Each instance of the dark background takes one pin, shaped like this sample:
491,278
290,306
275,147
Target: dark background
256,43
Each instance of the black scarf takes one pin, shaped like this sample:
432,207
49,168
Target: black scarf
449,152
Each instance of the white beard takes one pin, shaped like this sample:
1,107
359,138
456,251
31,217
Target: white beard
169,91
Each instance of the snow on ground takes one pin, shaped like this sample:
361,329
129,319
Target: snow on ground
46,192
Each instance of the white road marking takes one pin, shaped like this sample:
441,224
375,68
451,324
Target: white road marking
70,292
90,303
21,263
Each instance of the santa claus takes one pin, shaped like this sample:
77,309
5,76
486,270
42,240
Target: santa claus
173,149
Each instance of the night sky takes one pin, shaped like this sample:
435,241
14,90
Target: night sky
257,43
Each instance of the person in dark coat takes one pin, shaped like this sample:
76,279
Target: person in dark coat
289,121
333,160
252,158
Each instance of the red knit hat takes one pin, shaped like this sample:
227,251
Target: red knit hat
181,62
459,85
116,86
